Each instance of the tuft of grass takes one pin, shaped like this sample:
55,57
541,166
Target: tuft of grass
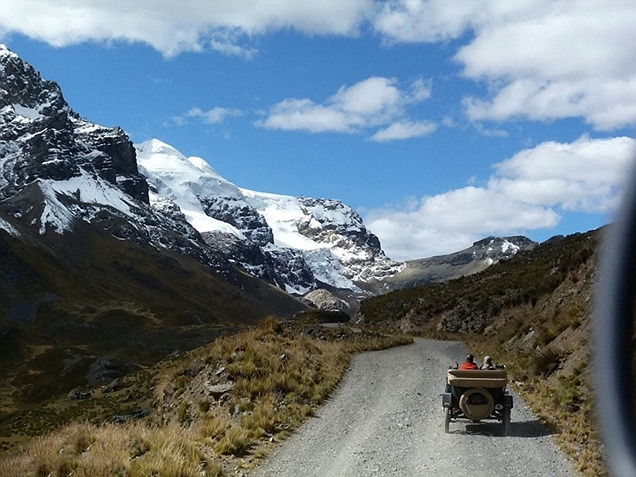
236,441
204,406
183,415
132,451
572,417
262,420
213,428
543,363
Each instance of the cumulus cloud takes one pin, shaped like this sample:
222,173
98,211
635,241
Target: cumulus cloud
404,130
542,60
529,191
555,62
374,102
413,21
583,176
192,26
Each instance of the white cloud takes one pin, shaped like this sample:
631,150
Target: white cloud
374,102
449,222
426,21
303,114
216,115
558,60
530,191
404,130
192,25
583,176
542,59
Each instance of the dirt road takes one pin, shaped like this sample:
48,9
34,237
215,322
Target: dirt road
386,419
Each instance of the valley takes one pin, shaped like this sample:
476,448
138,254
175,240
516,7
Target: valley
145,296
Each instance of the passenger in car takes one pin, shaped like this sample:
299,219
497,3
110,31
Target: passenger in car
487,363
469,363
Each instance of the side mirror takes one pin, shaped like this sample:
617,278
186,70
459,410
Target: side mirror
613,336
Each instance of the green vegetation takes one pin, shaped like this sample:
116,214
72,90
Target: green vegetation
470,303
66,307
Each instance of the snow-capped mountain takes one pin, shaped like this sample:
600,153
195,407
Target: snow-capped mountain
151,193
114,253
92,275
299,243
481,255
58,169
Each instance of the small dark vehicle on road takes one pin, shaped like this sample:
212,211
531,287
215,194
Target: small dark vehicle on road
477,395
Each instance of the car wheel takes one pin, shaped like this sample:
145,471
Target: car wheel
506,421
446,420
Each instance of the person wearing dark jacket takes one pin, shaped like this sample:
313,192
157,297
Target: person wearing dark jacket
469,363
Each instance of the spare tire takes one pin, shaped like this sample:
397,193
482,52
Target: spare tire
476,403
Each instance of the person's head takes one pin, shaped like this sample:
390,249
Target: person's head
469,358
487,360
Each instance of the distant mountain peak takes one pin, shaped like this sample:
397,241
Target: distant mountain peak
299,243
481,255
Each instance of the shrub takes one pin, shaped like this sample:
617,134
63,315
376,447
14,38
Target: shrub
204,406
262,420
183,415
236,441
543,363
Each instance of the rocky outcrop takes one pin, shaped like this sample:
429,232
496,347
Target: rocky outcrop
42,138
57,168
241,215
326,300
299,244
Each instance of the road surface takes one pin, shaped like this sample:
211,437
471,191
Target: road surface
386,419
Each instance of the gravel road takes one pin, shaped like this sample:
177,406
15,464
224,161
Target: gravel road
386,419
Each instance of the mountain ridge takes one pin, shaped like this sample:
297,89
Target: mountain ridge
299,244
131,252
323,241
88,265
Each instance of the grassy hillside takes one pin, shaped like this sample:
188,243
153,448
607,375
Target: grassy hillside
224,403
532,313
82,311
216,409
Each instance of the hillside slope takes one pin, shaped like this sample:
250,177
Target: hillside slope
93,280
82,312
533,313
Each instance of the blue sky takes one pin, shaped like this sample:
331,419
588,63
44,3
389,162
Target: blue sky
441,122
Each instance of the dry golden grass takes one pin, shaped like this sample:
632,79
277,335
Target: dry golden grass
575,429
132,450
236,441
280,374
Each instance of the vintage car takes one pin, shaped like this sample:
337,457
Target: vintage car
477,395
